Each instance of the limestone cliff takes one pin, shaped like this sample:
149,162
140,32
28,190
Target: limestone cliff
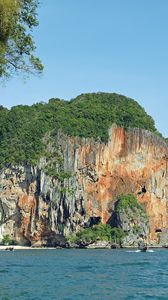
133,220
36,208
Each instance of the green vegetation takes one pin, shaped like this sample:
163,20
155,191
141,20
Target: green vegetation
17,19
102,232
125,202
7,240
23,128
136,229
60,175
54,162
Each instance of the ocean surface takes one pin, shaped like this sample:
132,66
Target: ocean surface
83,274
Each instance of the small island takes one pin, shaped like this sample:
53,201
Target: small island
85,173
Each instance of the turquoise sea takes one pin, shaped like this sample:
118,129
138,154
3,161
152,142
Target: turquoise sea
83,274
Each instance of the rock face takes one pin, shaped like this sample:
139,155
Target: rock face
39,209
134,222
99,245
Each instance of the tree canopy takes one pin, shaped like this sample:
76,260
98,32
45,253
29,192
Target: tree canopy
101,232
23,127
17,20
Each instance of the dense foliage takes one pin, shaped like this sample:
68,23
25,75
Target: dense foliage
17,19
7,240
101,232
125,202
89,115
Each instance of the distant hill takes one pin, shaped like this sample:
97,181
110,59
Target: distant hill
88,115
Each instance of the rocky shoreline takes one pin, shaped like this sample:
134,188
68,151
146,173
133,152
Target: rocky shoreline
97,245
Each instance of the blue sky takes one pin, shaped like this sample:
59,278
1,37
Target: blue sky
100,45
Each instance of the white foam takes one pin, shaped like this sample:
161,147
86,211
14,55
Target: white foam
137,251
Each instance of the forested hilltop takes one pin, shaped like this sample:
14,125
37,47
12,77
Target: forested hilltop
88,115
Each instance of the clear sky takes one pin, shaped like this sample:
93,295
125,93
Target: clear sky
100,45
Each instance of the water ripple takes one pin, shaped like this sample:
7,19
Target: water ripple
86,274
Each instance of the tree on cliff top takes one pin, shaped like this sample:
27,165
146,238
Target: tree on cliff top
17,19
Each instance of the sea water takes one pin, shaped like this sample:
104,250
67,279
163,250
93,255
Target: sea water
83,274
